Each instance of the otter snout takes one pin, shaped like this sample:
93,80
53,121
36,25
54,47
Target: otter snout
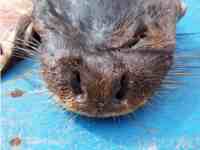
107,84
107,58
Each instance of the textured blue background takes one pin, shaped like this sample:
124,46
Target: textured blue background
170,122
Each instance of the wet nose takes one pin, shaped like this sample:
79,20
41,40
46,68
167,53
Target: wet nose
108,81
100,80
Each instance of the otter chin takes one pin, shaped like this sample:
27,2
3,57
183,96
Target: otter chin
105,58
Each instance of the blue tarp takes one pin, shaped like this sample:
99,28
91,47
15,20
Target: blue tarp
171,121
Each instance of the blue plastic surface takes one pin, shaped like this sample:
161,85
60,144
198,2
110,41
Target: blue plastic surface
171,121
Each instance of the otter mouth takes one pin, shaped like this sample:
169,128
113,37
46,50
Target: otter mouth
101,110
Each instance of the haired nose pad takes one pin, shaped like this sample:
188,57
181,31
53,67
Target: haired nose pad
120,89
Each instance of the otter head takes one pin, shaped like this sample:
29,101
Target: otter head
105,58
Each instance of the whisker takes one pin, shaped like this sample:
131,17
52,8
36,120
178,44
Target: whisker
27,51
25,58
20,54
36,40
35,50
24,51
18,42
27,43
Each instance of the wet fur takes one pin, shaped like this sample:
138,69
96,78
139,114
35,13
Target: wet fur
104,58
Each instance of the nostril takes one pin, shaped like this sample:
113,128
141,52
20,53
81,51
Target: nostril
123,88
141,31
76,83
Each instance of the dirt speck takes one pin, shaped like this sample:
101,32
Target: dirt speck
15,141
17,93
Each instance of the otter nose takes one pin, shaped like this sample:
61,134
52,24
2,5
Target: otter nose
106,84
116,84
102,81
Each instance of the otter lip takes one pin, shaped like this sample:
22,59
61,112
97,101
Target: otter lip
115,110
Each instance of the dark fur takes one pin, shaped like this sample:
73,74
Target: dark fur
105,57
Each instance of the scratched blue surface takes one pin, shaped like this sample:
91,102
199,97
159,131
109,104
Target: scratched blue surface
170,122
